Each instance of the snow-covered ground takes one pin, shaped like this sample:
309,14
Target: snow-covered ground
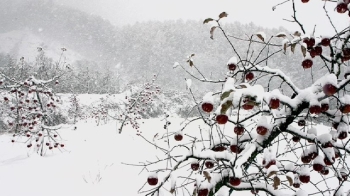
91,163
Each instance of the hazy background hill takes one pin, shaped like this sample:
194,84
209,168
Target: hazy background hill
106,58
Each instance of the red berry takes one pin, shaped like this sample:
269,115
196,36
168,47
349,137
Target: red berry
329,89
239,130
62,145
306,159
301,123
296,185
315,109
235,148
313,53
152,181
274,103
304,1
325,42
307,63
194,166
209,164
221,119
247,106
234,181
318,50
317,167
304,178
342,8
342,135
249,76
178,137
203,192
296,138
232,66
272,162
261,130
207,107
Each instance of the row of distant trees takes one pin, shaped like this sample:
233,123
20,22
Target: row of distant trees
81,77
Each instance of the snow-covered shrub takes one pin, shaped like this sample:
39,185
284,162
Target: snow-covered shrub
30,106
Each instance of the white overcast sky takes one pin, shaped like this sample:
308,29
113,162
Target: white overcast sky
245,11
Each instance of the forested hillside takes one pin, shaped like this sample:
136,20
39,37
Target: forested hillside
111,57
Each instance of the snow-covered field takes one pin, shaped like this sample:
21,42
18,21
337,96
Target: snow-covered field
91,163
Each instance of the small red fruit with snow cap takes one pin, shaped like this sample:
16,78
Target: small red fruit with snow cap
207,103
249,76
262,126
304,175
315,109
232,64
305,158
329,89
234,181
203,192
318,164
235,148
325,41
207,107
178,136
274,103
209,164
195,165
152,179
239,130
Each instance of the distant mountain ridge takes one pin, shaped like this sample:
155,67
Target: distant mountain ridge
109,58
56,26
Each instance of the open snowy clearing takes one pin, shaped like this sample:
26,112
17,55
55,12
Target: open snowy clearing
90,163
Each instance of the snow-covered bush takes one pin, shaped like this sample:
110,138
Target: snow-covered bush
260,139
30,108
